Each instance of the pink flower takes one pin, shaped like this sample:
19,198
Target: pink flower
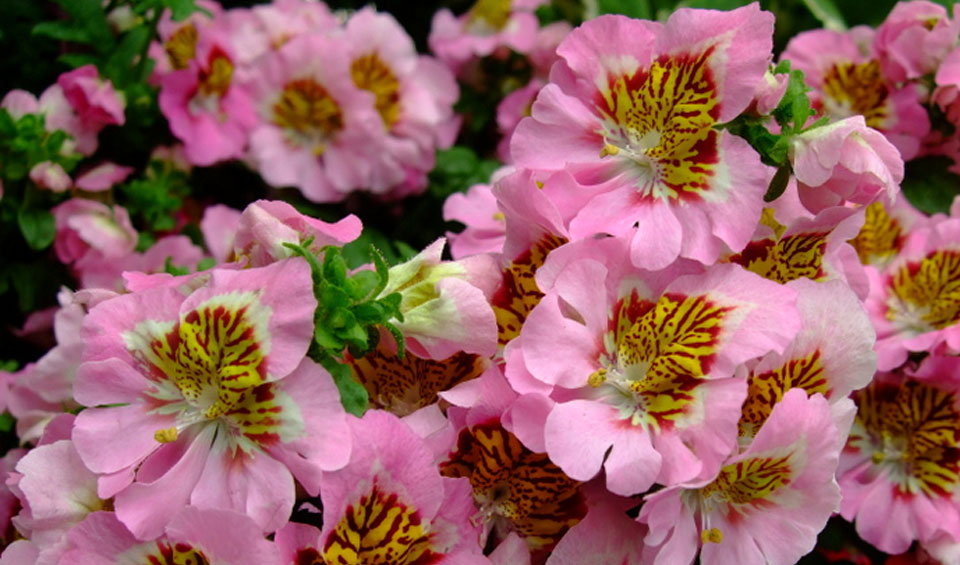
847,82
912,302
488,25
445,304
193,536
391,474
43,390
477,210
178,40
845,161
200,394
515,489
815,248
766,505
832,355
899,471
947,93
206,109
650,359
58,115
264,28
88,228
914,39
219,227
770,92
513,108
96,271
50,176
605,535
103,177
885,229
265,225
95,101
413,95
56,491
611,117
318,131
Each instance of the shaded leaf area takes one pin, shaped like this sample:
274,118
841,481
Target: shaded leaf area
929,184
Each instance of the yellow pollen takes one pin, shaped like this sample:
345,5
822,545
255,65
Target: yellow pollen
493,13
609,150
306,107
539,185
498,216
713,535
857,88
597,378
217,80
370,73
168,435
182,46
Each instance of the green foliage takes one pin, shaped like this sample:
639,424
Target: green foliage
632,8
792,114
349,313
827,13
929,185
457,169
157,196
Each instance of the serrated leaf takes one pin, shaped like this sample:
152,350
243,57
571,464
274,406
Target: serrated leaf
356,335
362,284
37,226
325,338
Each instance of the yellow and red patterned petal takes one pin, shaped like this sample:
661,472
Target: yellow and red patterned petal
518,292
513,484
379,529
402,386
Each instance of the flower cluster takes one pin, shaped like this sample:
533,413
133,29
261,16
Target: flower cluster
691,318
326,104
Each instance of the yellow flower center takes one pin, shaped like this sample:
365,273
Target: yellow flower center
880,238
663,350
181,46
514,484
403,386
748,481
379,530
925,295
216,81
488,16
659,123
912,431
518,292
787,258
768,388
307,110
857,88
370,73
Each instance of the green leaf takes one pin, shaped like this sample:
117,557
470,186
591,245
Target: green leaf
929,185
325,338
828,14
778,184
6,422
362,284
120,66
632,8
352,394
457,169
63,31
37,226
